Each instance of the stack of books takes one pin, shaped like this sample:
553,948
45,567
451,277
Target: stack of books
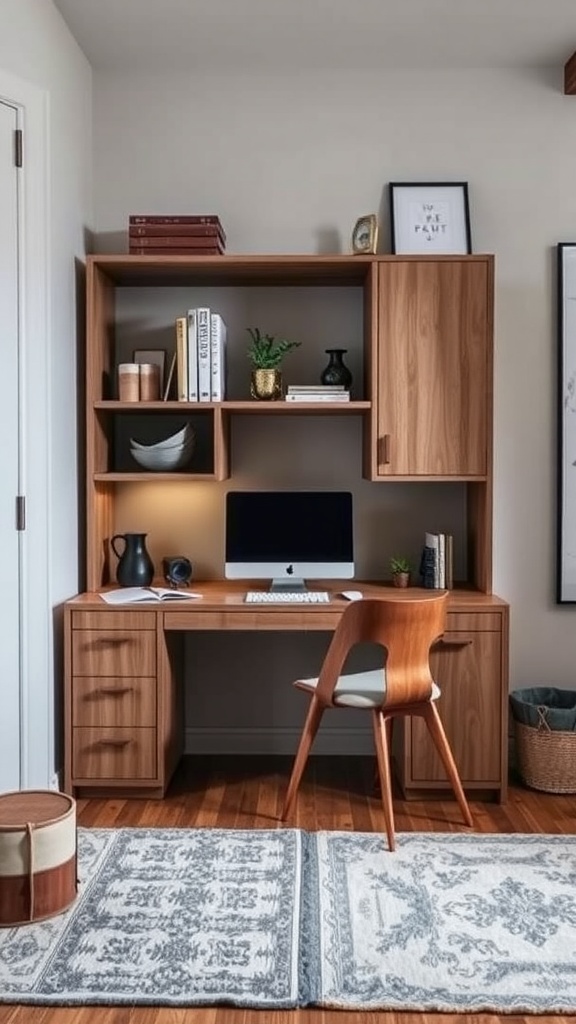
317,393
201,356
436,567
190,235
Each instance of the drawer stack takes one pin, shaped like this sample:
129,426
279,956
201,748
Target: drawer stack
113,698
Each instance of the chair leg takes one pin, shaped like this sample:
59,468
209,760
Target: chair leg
315,712
436,729
389,732
381,733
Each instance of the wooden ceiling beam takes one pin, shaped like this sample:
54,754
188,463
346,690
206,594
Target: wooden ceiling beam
570,76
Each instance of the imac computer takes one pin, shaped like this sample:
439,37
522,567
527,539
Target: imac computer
289,536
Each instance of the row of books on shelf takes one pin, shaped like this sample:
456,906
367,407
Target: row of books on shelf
436,564
317,393
188,235
201,356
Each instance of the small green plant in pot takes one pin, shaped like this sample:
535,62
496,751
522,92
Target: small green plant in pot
401,570
266,353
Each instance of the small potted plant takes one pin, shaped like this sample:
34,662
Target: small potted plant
401,569
266,353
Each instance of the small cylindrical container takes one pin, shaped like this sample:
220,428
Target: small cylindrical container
149,382
129,382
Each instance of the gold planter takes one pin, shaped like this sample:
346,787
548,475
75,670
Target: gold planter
266,385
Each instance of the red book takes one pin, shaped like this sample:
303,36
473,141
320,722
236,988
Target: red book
152,230
137,250
184,241
204,218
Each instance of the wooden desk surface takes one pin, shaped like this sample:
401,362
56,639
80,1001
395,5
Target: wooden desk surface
222,605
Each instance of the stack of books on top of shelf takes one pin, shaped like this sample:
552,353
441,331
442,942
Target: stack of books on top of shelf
317,393
436,567
189,235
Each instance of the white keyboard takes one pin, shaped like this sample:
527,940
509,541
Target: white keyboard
287,597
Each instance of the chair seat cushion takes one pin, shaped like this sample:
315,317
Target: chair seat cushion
359,689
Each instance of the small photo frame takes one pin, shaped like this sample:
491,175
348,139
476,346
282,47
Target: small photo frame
365,234
430,217
152,355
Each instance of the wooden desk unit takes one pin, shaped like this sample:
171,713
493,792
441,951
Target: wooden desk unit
123,695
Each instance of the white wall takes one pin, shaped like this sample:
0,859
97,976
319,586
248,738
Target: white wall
290,162
37,48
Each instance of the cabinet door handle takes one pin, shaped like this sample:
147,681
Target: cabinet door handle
113,743
115,691
461,641
384,453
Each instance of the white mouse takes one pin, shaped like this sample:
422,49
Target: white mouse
352,595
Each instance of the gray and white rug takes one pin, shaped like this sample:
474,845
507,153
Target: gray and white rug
284,918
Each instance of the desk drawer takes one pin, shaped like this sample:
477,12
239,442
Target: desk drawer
113,653
114,754
114,620
114,701
302,619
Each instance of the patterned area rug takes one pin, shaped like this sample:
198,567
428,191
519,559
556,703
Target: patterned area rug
282,918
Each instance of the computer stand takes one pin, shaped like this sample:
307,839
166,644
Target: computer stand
291,586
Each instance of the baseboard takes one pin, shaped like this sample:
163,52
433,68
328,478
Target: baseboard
276,741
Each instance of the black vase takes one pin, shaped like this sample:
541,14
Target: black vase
135,567
336,372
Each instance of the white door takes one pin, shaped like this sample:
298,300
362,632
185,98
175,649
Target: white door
10,592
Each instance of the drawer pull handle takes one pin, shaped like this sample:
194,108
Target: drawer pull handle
113,743
112,641
115,691
385,450
463,641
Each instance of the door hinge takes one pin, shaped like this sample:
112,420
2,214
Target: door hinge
20,512
18,147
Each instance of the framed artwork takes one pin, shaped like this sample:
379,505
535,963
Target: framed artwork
365,234
566,472
429,217
152,355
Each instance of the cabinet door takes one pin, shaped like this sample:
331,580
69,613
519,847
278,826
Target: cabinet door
433,372
467,667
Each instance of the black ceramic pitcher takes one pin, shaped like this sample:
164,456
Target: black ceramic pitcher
135,567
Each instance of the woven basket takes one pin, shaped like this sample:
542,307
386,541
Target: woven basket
546,757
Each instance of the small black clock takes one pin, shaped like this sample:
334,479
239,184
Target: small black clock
177,570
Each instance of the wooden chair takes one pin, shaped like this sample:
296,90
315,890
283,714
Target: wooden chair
405,627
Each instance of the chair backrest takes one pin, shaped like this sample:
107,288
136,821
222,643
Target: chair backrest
406,627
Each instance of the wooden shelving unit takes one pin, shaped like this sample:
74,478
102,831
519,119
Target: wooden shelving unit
426,410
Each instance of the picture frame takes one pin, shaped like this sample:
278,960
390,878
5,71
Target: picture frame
152,355
430,218
365,235
566,430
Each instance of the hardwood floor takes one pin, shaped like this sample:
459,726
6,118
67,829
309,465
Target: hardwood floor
337,793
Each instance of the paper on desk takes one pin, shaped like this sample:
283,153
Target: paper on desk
130,595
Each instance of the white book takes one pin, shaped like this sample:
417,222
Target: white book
192,356
132,595
318,396
441,561
217,358
297,389
203,344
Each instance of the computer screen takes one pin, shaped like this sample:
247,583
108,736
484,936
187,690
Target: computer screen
289,536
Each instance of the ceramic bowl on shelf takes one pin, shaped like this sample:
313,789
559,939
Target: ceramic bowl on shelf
163,460
183,436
